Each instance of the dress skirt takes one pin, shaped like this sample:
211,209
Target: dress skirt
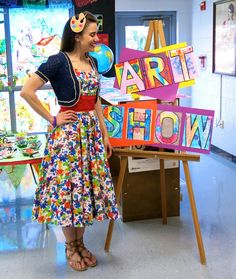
75,185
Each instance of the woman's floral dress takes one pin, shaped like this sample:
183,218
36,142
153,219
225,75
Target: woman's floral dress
75,185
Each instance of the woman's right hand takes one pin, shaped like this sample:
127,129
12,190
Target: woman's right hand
66,117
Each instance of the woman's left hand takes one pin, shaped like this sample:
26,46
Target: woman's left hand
108,146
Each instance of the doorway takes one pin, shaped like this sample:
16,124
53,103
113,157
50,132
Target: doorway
132,29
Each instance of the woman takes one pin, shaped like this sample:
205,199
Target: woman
75,185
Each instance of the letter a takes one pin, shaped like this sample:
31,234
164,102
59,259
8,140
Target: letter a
135,81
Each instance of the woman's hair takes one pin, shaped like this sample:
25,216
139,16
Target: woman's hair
68,36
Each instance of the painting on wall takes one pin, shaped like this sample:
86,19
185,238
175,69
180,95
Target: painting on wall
36,38
224,37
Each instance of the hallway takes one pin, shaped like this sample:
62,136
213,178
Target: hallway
140,249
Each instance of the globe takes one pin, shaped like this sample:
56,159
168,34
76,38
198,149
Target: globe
104,56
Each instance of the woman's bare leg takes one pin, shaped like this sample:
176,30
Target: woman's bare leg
76,261
69,233
79,232
88,257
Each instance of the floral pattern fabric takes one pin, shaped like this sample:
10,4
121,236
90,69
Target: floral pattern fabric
75,185
89,82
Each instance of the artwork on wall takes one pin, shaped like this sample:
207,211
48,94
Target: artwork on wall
103,39
35,39
28,3
59,3
100,22
82,3
224,37
36,3
8,3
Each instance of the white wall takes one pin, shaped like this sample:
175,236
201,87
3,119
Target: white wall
206,92
183,8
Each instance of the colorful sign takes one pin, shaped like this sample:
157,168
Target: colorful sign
131,123
165,126
147,74
157,73
178,65
183,128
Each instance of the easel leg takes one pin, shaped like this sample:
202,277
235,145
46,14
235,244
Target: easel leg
194,213
123,165
163,192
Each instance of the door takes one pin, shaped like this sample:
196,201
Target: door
132,29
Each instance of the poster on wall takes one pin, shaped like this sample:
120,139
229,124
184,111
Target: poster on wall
103,39
8,3
224,37
100,22
28,3
36,38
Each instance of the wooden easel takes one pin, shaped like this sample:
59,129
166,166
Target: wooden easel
156,31
156,28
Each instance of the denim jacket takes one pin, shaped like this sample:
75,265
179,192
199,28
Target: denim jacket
59,71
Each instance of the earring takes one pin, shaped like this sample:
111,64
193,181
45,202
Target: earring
77,23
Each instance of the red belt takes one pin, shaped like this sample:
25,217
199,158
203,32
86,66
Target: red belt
85,103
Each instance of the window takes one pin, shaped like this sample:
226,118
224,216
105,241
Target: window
135,37
27,38
132,29
27,119
5,123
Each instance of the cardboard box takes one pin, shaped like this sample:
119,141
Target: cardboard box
141,197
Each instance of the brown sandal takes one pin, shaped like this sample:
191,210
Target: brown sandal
73,249
85,253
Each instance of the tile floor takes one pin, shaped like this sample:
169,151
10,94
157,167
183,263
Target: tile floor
140,249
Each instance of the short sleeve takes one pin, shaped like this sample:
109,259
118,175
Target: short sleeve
47,70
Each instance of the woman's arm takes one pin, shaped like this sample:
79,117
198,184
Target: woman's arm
98,109
28,92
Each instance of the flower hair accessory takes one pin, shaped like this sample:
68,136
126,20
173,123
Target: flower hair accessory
77,23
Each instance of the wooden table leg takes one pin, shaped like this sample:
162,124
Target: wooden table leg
194,213
163,192
123,165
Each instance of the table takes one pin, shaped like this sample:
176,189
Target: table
19,159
